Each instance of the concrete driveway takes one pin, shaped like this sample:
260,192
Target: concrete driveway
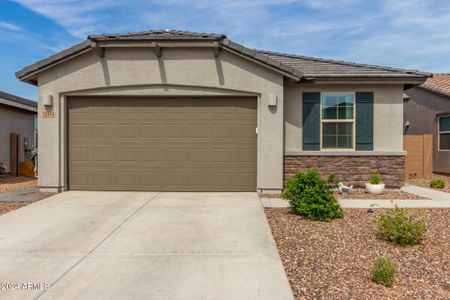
132,245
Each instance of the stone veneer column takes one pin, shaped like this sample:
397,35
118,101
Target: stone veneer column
355,170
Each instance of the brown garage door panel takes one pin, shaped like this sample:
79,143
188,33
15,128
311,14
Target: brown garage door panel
167,144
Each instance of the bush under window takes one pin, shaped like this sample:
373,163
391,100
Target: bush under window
311,196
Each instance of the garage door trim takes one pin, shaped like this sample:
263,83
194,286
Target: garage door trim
246,106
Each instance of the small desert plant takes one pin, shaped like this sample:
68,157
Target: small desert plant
383,271
375,178
437,184
398,226
311,196
332,180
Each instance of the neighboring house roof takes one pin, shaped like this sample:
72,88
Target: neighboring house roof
439,83
294,66
18,102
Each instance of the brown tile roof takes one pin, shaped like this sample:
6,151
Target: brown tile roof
296,66
319,67
439,83
159,35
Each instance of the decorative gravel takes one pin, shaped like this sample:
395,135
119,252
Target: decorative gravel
9,183
332,260
389,194
9,206
426,182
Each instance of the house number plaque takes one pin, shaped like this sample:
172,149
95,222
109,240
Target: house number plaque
48,114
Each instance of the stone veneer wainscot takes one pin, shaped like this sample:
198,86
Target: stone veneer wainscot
355,170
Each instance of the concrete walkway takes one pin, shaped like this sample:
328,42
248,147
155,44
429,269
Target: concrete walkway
437,200
426,192
131,245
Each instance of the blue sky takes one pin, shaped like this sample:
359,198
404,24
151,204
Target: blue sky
399,33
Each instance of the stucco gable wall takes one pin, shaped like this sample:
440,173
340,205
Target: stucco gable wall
186,71
131,66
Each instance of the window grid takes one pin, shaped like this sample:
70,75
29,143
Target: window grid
444,134
341,139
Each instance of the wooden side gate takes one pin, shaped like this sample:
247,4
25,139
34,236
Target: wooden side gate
419,158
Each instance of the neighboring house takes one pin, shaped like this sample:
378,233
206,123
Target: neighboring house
17,115
427,111
180,111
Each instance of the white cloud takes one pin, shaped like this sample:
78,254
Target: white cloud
78,17
409,33
9,26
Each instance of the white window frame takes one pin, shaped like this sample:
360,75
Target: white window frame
353,121
439,132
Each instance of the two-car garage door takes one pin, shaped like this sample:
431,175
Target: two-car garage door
164,144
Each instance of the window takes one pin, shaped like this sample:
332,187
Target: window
444,133
337,121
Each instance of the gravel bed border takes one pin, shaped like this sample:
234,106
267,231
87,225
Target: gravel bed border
332,260
6,207
357,193
10,183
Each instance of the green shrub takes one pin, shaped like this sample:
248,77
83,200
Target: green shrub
398,226
375,178
332,179
383,271
437,184
311,196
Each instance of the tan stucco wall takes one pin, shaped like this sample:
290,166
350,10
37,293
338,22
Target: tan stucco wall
13,120
388,115
178,72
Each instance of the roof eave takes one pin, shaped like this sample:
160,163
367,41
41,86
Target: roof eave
411,80
29,73
18,105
